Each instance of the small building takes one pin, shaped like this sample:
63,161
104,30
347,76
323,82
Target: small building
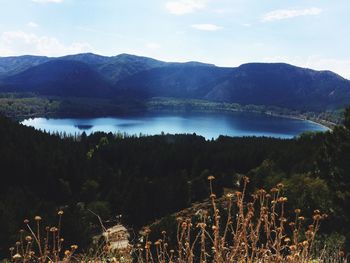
117,237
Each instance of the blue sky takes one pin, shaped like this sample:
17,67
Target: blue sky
308,33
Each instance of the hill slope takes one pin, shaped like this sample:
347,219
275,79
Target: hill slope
118,67
60,78
128,76
14,65
282,85
185,80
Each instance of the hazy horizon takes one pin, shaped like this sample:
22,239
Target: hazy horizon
189,61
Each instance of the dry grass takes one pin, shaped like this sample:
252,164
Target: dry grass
251,231
41,244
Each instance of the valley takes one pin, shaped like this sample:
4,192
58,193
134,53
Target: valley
100,109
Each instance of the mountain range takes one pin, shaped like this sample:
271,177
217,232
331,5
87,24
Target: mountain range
141,78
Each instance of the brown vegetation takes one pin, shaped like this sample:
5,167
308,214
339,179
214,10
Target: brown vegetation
236,230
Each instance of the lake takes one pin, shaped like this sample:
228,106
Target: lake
205,124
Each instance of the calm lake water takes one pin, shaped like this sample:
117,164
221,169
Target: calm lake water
207,125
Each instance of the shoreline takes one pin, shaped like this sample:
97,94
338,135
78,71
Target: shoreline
324,123
177,105
47,107
327,124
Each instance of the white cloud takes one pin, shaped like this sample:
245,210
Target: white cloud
182,7
48,1
206,27
32,24
290,13
21,43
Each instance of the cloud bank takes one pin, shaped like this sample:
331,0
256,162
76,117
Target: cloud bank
21,43
183,7
290,13
206,27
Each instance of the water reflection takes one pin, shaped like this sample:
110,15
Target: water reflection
207,125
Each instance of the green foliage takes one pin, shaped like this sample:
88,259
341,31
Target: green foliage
28,105
20,106
333,165
15,106
307,192
159,175
347,118
332,242
159,104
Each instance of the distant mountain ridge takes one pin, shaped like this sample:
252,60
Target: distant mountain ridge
129,76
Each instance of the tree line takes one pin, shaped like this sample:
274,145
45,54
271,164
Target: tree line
147,178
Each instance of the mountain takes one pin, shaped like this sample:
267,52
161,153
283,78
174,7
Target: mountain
116,68
282,85
13,65
112,68
254,83
129,76
185,80
60,78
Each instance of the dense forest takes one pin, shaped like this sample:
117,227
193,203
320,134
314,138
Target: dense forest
147,178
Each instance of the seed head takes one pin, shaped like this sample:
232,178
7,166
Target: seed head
280,186
283,219
293,247
317,217
274,190
74,247
211,177
17,256
53,229
238,193
157,243
229,195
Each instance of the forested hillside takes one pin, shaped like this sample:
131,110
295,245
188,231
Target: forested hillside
147,178
133,77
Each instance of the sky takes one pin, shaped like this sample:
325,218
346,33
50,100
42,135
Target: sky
307,33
